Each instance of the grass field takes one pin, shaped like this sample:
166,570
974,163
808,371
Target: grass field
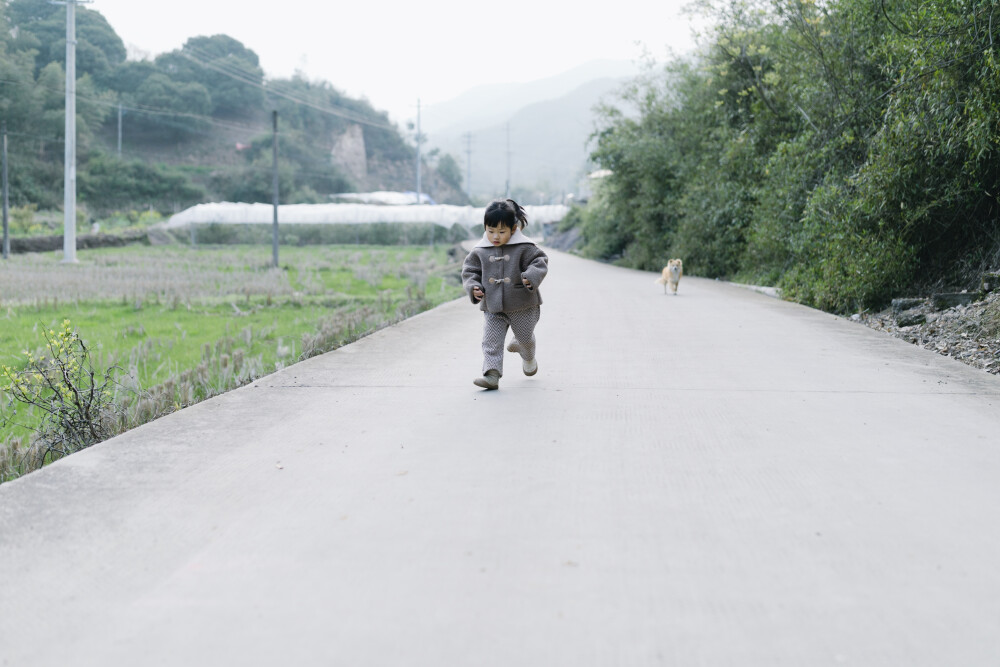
181,324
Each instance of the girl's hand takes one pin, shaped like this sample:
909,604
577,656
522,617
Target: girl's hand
477,294
527,283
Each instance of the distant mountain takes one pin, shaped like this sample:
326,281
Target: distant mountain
549,123
491,104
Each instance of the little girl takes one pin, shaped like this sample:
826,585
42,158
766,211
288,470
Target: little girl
502,275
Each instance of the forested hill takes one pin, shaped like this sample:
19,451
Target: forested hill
195,124
846,150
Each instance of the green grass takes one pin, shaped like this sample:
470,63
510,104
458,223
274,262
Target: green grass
164,315
164,339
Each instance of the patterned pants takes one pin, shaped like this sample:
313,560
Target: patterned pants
521,322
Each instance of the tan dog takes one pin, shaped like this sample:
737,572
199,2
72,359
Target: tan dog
672,273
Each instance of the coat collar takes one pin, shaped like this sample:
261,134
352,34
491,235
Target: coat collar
516,237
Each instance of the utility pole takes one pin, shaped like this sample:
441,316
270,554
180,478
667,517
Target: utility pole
274,162
119,131
418,151
468,165
69,166
507,190
6,199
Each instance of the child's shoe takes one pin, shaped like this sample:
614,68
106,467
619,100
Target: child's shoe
529,367
489,381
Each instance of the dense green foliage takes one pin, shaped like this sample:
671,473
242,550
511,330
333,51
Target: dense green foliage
111,184
845,150
449,171
206,104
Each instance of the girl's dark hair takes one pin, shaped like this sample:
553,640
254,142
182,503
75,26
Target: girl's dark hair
504,213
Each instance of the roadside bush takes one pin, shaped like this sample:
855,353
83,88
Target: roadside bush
632,217
60,398
841,266
572,218
23,223
120,220
603,237
711,233
776,230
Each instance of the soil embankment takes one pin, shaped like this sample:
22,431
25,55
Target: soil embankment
22,244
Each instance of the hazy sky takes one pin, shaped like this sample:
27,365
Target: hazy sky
394,52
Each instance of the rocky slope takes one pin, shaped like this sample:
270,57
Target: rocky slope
968,332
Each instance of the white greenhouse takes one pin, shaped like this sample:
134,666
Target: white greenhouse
226,213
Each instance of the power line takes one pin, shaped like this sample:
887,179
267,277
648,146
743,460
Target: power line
250,77
242,78
166,115
230,71
55,140
148,110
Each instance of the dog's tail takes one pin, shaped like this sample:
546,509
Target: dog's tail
662,280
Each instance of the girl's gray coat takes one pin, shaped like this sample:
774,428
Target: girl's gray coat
497,271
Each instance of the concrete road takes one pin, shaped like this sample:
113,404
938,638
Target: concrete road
716,478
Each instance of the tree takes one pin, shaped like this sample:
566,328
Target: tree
223,66
449,171
107,184
170,104
307,163
190,102
129,75
633,217
19,102
253,183
99,49
844,149
26,12
91,107
328,113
